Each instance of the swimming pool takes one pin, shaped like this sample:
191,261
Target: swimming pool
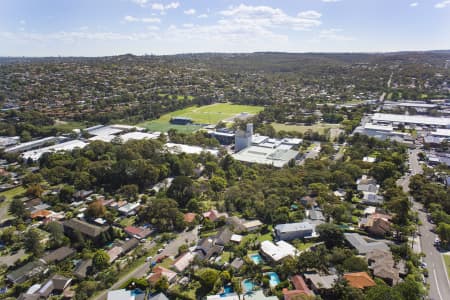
227,291
274,279
248,285
256,258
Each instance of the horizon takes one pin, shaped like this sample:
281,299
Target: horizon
51,28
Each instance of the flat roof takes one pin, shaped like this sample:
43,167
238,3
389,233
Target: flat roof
268,156
371,126
138,136
30,144
105,130
416,119
182,148
441,132
66,146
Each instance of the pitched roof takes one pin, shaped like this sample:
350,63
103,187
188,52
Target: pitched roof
26,271
85,228
322,281
183,261
300,284
82,268
159,296
223,236
138,231
189,217
364,244
58,254
359,280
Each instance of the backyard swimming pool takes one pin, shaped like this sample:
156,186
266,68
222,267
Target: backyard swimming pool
248,285
274,279
256,258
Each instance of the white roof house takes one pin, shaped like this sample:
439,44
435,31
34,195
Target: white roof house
66,146
279,250
138,136
182,262
182,148
124,295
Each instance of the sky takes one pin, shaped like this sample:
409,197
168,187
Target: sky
113,27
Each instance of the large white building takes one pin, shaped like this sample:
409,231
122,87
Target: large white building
411,119
66,146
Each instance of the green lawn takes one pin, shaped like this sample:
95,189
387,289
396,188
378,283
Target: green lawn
128,221
10,194
320,128
208,114
69,125
304,246
447,263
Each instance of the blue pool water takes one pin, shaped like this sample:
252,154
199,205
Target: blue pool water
274,279
227,290
136,292
256,258
248,285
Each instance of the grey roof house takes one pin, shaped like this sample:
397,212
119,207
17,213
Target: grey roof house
293,231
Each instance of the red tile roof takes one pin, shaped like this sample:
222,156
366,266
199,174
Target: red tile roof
189,217
359,280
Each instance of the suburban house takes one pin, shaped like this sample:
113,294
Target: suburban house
367,184
371,198
25,272
300,288
320,283
158,272
364,244
160,296
237,263
241,225
125,295
308,201
223,237
376,224
278,251
359,280
292,231
206,248
82,268
90,231
58,255
213,215
129,209
383,266
189,217
56,285
122,248
183,261
138,232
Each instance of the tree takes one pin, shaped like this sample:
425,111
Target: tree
17,208
96,209
181,190
208,278
32,242
66,193
100,260
130,191
164,214
382,291
218,183
343,291
57,236
331,234
355,264
443,230
161,285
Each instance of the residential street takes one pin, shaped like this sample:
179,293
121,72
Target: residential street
170,250
438,279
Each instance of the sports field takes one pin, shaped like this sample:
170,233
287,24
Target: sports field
208,114
320,128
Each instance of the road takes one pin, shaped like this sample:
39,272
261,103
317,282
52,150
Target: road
170,250
438,278
313,153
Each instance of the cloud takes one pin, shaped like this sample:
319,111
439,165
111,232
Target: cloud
442,4
329,1
131,19
202,16
414,4
162,7
267,17
190,12
140,2
309,14
334,34
22,22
